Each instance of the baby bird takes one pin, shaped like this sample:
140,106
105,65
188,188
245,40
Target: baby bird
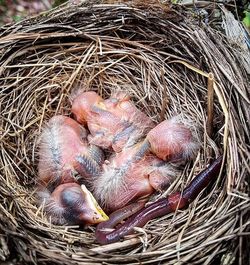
82,103
131,175
88,108
120,104
173,141
114,122
64,153
137,126
71,204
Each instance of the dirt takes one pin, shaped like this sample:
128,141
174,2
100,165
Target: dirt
16,10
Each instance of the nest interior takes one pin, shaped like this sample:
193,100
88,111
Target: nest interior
153,51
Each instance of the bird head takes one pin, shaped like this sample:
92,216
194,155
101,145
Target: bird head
82,104
76,205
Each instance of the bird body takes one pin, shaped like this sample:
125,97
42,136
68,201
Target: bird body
113,123
64,151
135,173
120,104
172,140
130,175
65,157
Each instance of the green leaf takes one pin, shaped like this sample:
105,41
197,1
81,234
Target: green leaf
17,18
246,20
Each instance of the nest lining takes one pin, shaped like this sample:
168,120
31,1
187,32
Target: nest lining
141,49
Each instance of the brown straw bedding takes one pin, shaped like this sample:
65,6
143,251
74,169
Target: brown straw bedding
162,56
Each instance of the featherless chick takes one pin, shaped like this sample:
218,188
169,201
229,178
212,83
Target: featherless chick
113,123
129,176
65,160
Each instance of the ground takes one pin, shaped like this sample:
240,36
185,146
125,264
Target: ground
15,10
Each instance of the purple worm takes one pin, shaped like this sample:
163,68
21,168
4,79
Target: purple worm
159,208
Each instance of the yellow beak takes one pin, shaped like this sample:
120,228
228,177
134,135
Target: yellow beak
94,213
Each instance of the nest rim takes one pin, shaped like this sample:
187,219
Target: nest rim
39,87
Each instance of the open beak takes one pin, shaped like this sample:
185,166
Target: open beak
94,213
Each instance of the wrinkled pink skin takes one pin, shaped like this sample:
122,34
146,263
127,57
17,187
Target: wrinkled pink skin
103,127
136,184
82,105
130,175
112,122
68,204
64,151
137,123
120,105
88,108
172,141
159,208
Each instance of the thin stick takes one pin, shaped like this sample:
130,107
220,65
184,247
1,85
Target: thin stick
210,104
164,96
118,245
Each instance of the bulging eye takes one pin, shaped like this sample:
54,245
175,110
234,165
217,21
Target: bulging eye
71,197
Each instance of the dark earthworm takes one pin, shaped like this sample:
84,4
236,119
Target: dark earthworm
120,214
159,208
202,180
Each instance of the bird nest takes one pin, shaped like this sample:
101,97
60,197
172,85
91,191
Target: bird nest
162,56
